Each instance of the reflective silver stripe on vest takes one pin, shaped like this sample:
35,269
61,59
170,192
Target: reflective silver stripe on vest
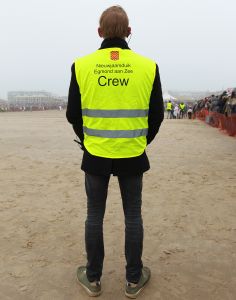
115,113
116,133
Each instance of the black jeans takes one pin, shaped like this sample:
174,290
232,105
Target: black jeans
131,193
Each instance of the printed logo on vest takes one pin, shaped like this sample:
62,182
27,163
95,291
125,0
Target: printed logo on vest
114,55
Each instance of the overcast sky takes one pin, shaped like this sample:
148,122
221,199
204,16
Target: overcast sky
193,41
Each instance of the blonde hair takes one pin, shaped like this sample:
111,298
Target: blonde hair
114,22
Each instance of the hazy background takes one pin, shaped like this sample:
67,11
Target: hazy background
192,41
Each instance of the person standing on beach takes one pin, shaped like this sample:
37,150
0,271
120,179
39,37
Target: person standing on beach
176,111
115,106
182,108
169,107
190,112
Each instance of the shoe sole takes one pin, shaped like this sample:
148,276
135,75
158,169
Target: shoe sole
91,294
134,296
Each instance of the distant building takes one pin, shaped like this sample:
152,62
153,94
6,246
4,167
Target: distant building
34,100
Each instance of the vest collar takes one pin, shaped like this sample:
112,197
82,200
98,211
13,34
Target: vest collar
114,42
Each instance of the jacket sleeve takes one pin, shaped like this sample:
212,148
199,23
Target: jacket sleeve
156,108
74,111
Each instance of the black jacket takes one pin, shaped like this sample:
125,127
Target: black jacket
122,166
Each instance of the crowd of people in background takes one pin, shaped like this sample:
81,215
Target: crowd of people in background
11,107
224,103
218,111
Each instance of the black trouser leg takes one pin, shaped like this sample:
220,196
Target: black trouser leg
96,190
131,192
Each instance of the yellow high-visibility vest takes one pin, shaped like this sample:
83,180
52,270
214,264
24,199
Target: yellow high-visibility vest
115,86
169,106
182,106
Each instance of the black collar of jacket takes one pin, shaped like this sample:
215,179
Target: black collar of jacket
114,42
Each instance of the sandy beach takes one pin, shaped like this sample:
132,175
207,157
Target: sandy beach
189,213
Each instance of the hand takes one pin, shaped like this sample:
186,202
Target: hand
81,144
